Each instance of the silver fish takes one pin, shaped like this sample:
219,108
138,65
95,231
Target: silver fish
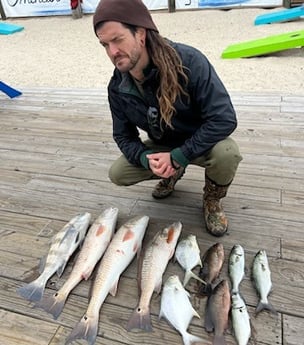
262,280
97,239
154,262
126,242
240,319
236,267
217,312
63,245
177,309
187,254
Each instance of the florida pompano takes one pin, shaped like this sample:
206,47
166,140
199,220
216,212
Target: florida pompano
153,264
187,254
94,246
63,245
177,309
126,242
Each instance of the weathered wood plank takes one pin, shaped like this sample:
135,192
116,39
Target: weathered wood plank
18,329
55,149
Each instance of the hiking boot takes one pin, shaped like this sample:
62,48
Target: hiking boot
214,215
165,187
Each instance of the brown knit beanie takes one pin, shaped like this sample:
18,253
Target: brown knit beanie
133,12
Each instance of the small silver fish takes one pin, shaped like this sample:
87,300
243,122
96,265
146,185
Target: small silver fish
236,267
97,239
177,309
64,244
240,320
262,280
187,254
126,242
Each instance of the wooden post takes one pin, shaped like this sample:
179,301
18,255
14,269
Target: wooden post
171,5
2,13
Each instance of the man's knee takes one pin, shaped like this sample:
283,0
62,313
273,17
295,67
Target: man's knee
116,175
227,152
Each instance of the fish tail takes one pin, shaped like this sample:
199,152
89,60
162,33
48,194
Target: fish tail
33,291
52,304
265,306
219,339
140,319
86,328
189,275
189,339
206,289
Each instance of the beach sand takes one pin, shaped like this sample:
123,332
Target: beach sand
61,52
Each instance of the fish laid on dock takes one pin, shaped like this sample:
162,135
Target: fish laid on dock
187,254
176,307
97,240
212,261
153,264
236,267
261,275
217,312
240,319
63,245
126,242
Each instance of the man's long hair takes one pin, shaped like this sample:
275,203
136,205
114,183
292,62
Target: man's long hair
172,76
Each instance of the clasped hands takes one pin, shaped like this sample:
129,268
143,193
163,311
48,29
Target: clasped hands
161,165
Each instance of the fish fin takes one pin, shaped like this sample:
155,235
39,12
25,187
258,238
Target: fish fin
33,291
87,273
70,232
140,319
190,339
170,236
61,268
219,340
86,328
101,229
158,286
128,235
206,290
189,275
265,306
42,264
113,289
209,325
52,304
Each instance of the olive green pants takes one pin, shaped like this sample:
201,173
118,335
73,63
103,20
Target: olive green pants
220,164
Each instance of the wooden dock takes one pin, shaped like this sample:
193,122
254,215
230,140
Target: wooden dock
55,150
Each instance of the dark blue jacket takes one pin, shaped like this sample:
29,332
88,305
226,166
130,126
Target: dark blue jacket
200,121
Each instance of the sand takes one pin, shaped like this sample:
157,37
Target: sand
62,52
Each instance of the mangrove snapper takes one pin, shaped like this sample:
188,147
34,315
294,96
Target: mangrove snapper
126,242
97,239
187,254
212,261
63,245
153,264
262,280
236,267
217,312
177,309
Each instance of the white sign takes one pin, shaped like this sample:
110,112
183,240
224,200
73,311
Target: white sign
30,8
